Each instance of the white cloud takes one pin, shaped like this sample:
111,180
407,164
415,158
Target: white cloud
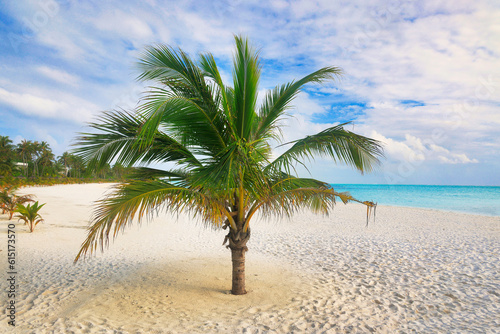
303,104
71,108
445,156
409,150
58,75
123,24
32,105
457,159
415,150
279,4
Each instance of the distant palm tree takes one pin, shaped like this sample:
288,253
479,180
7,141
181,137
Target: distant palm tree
24,149
6,155
5,192
65,160
46,158
119,171
39,150
220,140
35,151
77,166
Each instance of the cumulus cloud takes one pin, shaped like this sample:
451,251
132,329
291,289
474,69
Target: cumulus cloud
58,75
410,149
413,149
447,157
72,108
32,105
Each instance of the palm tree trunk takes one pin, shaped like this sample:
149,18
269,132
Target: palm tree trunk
25,166
238,281
237,244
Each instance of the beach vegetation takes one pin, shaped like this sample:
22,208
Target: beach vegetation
33,163
6,156
207,148
9,201
29,214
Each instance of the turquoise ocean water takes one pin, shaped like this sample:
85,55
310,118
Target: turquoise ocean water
470,199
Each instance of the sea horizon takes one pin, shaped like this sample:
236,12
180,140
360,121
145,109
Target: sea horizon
472,199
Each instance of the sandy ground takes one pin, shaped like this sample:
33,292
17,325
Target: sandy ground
411,271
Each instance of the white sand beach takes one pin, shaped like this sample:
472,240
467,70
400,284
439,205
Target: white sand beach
410,271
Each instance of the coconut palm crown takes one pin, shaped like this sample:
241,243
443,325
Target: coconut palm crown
219,141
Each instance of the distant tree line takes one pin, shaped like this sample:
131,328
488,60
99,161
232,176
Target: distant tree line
34,160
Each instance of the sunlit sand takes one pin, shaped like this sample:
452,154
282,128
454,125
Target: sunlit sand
410,270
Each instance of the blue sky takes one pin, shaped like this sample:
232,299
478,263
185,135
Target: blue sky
423,77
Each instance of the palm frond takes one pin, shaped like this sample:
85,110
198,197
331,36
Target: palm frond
185,118
209,66
147,173
246,74
278,100
342,145
137,199
287,202
117,140
162,63
187,94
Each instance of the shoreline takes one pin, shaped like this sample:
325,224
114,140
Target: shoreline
440,210
412,269
112,183
477,200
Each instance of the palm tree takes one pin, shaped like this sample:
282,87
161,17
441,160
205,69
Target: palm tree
46,158
119,171
77,166
29,214
24,150
65,159
35,150
5,192
39,150
6,155
9,201
220,141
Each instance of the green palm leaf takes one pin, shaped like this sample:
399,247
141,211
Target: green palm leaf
117,141
278,100
187,102
29,214
335,142
246,74
137,199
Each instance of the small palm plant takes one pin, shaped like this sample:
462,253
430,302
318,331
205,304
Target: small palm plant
30,215
5,192
9,201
